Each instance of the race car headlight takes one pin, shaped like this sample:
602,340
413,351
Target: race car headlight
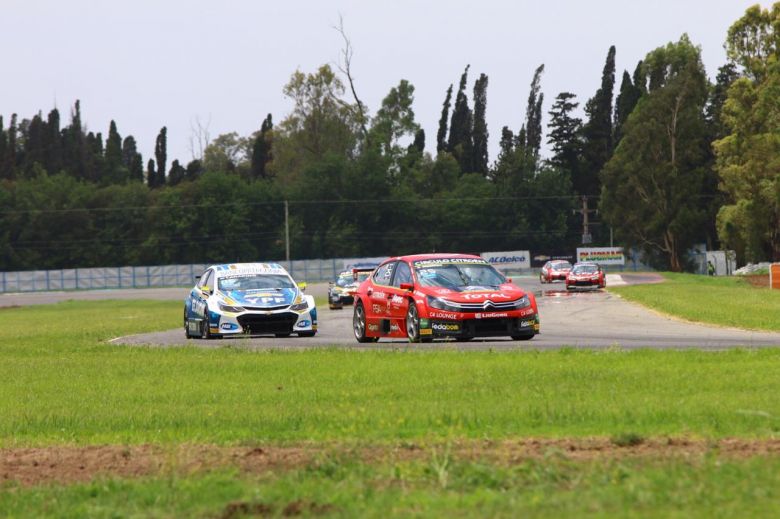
523,302
300,307
228,308
440,304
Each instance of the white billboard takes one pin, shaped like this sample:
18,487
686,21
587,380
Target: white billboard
602,255
518,259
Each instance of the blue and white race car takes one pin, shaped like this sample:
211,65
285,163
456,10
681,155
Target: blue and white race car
248,298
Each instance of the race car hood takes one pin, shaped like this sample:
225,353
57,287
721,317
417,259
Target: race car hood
261,298
478,294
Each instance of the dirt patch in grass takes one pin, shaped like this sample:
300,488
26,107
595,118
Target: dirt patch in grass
61,464
757,280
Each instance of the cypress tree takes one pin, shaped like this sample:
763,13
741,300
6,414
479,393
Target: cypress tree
33,147
161,156
564,136
176,174
480,131
261,149
194,169
441,136
460,142
418,145
115,172
132,160
10,159
53,143
625,103
3,149
533,119
598,131
151,176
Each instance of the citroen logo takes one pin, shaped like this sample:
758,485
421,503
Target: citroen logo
487,304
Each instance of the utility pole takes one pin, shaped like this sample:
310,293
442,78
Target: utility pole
287,231
587,237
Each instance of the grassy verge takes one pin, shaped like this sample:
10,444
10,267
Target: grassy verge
441,487
61,383
727,301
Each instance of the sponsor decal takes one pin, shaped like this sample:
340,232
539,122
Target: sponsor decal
527,311
377,309
490,315
426,331
527,323
448,261
424,323
394,327
373,327
602,255
487,295
397,300
444,315
446,327
519,259
228,326
303,324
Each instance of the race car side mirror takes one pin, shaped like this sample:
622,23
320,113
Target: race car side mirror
302,286
331,283
508,280
407,286
206,290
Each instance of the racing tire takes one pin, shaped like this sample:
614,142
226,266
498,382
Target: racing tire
522,337
542,280
281,335
413,324
205,330
359,324
307,334
187,334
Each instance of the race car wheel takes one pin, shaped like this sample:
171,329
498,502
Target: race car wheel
413,323
306,334
205,331
522,337
281,335
359,324
187,333
542,280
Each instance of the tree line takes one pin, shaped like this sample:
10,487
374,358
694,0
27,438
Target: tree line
670,159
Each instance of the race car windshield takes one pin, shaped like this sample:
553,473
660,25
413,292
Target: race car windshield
344,280
586,269
561,265
458,277
256,282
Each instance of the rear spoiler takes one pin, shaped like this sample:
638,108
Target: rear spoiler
356,270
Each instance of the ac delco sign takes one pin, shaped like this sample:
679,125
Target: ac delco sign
519,259
602,255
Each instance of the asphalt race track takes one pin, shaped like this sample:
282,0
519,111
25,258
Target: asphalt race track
587,318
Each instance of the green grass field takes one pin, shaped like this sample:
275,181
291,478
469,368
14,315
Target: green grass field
553,487
61,383
725,301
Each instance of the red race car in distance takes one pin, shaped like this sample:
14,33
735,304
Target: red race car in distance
554,270
428,296
586,275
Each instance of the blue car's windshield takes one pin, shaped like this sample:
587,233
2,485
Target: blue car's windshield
256,282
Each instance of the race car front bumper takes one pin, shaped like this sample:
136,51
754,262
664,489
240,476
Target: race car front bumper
474,327
262,322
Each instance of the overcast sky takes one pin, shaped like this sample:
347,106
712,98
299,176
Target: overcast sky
153,63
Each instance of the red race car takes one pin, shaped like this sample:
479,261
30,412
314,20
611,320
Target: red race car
430,296
554,270
586,275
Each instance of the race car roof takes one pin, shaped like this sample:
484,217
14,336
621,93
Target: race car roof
248,269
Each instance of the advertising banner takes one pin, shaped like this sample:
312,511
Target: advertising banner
602,255
539,258
519,259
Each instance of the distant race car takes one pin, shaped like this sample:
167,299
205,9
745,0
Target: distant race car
554,270
429,296
248,298
586,275
342,291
